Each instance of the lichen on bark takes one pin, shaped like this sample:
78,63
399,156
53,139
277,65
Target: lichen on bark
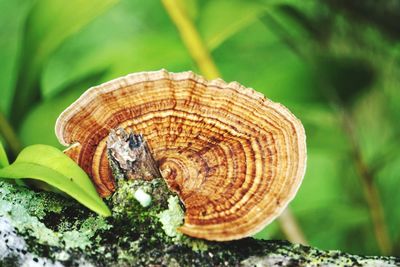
43,228
138,239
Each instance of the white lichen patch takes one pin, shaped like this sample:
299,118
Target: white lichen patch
81,238
310,257
142,197
172,218
23,209
14,246
75,239
62,256
270,260
24,222
10,241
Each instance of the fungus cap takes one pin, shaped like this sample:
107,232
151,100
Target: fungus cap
235,158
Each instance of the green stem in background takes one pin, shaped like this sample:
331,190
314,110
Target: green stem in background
191,39
370,190
365,172
9,135
208,68
291,228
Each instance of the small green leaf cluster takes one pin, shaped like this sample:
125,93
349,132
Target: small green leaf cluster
54,171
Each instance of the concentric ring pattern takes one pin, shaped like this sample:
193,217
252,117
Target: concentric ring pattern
235,158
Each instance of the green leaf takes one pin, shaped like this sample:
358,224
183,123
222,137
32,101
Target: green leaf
64,68
47,112
50,165
90,52
45,32
12,16
3,157
280,74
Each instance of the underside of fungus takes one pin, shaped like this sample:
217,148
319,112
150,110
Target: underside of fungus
235,158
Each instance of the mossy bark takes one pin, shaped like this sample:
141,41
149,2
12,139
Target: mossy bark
42,228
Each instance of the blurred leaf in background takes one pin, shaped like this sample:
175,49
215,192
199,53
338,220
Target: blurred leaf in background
335,64
47,26
3,157
13,15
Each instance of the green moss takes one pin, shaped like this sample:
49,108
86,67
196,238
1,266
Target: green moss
128,255
93,224
140,219
75,239
36,204
82,237
124,201
195,244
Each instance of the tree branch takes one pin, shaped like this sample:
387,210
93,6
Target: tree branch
41,227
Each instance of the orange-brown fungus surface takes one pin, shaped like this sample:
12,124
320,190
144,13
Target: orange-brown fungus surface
235,158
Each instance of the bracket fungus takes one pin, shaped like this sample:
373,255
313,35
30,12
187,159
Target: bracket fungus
235,158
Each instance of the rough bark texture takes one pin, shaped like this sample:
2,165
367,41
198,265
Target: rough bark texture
131,152
44,229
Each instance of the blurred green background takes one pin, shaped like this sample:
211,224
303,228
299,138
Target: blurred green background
334,63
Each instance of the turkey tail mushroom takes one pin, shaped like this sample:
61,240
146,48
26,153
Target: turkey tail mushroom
235,158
